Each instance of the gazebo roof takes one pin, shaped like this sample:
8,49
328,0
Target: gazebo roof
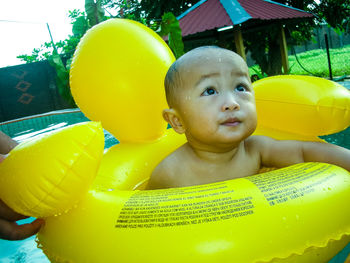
213,14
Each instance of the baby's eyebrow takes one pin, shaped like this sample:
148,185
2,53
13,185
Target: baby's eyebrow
206,76
240,73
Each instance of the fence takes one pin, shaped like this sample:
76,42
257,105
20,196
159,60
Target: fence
311,58
27,90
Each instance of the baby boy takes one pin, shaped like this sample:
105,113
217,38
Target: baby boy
211,101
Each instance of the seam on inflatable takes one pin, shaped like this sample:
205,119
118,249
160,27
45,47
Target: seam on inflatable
302,251
69,169
84,146
55,258
303,104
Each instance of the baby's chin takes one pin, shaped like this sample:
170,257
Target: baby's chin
233,139
218,145
223,139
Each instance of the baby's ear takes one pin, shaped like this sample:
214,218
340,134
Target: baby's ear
171,117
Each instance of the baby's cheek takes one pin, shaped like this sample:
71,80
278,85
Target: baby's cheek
251,108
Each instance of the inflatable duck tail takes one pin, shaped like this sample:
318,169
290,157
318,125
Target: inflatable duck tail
49,174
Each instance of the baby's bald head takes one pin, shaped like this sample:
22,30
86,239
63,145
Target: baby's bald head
173,79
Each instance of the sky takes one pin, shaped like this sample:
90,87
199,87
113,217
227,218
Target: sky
23,25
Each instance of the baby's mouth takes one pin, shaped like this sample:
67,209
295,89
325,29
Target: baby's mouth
231,122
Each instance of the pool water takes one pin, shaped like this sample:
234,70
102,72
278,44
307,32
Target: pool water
26,128
26,251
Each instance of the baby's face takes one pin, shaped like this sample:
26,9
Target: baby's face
216,101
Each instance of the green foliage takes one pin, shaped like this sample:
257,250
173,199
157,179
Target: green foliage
336,13
264,44
53,52
129,9
65,47
62,74
315,61
154,9
35,56
149,10
94,11
80,26
255,70
265,49
165,24
94,14
62,78
170,27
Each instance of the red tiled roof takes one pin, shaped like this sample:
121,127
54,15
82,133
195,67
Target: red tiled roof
267,10
211,14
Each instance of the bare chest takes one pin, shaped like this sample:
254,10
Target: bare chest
194,173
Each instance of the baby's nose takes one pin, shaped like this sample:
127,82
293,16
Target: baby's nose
230,104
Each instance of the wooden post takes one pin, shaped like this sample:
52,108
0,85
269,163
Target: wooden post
239,42
284,51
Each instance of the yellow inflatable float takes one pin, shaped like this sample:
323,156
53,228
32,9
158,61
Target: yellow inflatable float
296,214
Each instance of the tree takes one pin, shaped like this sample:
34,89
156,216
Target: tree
149,10
79,26
156,8
336,13
263,44
57,53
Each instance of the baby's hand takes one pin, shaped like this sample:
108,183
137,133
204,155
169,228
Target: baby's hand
8,227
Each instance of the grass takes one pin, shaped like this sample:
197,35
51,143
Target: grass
315,61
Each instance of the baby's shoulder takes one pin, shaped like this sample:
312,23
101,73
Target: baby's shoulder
256,141
258,144
165,167
164,175
172,160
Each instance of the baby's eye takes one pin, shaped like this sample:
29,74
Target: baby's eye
209,91
241,88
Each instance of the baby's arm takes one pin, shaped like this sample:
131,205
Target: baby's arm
275,153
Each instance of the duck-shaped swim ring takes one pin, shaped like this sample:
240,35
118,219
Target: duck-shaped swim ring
296,214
